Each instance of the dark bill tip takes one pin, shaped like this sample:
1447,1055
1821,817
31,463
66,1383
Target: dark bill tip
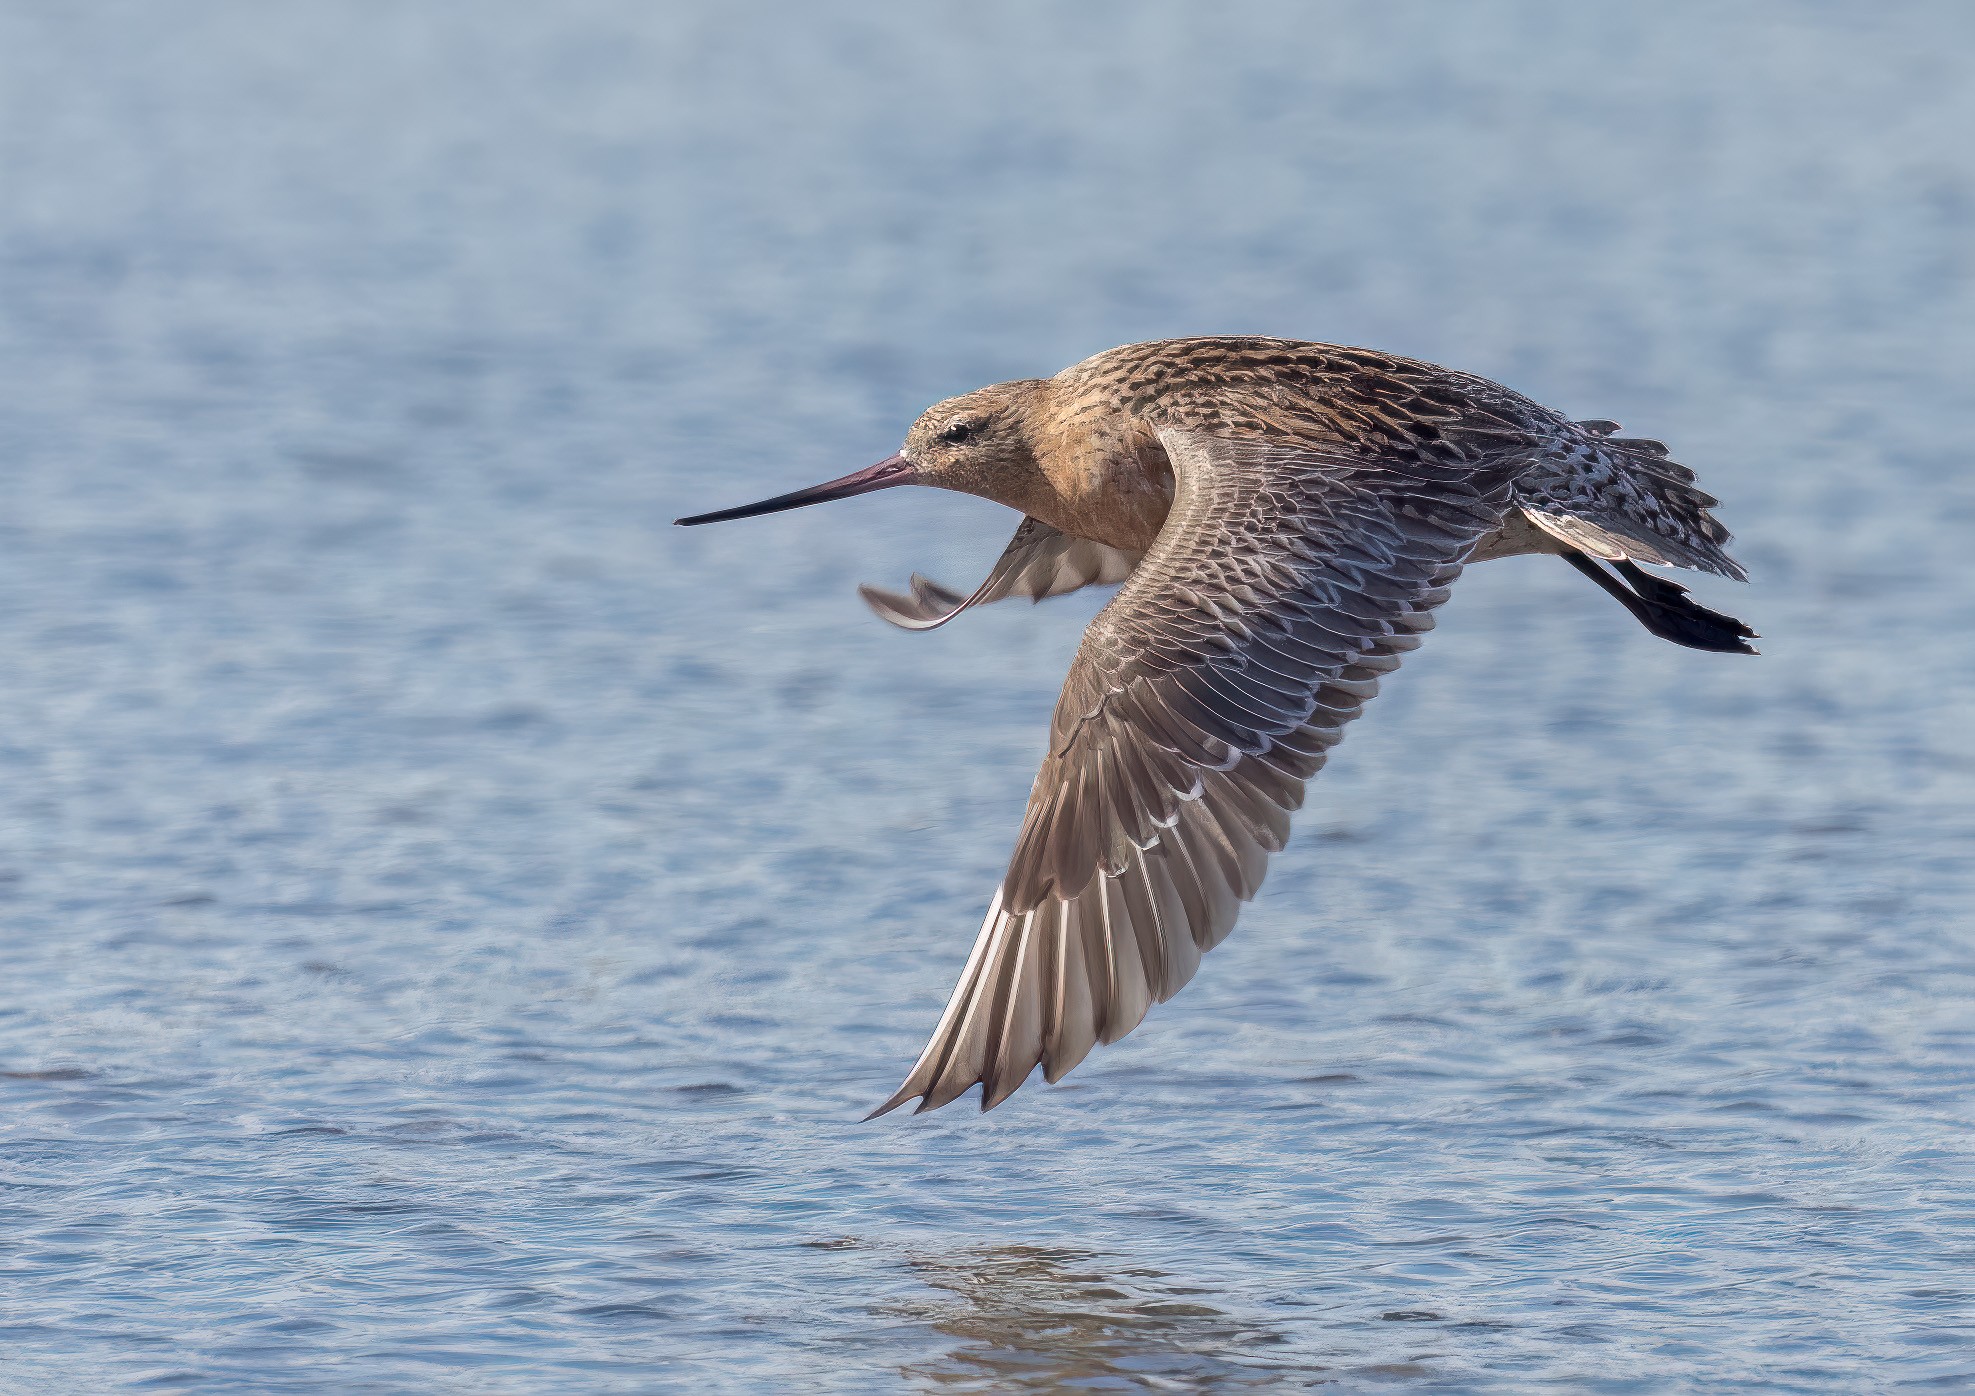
894,470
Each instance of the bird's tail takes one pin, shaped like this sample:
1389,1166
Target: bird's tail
1618,497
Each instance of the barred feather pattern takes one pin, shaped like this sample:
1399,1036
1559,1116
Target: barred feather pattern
1621,498
1288,580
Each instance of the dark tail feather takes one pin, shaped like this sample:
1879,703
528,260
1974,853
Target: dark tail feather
1666,609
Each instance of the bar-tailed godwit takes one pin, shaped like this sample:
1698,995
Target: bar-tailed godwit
1284,517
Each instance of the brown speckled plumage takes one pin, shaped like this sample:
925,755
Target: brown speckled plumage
1284,517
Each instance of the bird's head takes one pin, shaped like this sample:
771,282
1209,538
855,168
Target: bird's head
977,443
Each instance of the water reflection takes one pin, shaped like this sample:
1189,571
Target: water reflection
1030,1318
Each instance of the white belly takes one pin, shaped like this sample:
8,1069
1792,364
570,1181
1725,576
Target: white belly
1516,535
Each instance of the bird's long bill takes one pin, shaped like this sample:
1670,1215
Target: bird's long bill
894,470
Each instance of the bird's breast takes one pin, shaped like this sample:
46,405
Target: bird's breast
1114,488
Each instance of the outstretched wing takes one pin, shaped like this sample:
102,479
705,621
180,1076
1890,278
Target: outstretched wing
1287,579
1038,562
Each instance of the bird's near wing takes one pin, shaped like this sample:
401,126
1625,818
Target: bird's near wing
1037,562
1287,579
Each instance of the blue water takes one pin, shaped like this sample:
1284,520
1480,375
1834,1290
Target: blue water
451,921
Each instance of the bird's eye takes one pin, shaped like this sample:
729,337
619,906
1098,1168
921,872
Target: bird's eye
957,432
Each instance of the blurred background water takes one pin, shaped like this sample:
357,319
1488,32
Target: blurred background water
451,921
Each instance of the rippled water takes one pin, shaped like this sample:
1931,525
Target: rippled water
453,920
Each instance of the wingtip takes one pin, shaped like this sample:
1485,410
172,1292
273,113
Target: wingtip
903,1094
898,610
929,1101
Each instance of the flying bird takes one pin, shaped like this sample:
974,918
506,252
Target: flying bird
1284,517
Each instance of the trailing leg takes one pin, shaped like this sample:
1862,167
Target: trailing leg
1665,608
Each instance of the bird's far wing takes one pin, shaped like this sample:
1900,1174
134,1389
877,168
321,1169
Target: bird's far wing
1287,579
1038,562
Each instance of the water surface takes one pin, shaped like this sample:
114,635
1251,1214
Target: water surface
453,921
